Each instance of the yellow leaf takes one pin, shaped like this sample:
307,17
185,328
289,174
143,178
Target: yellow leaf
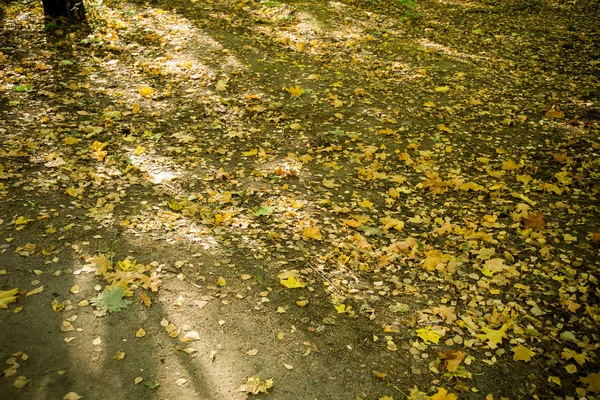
312,233
250,153
444,128
522,353
365,203
571,368
146,91
245,276
342,308
302,303
493,336
442,394
429,104
338,103
135,108
22,220
140,333
20,382
139,150
555,380
119,355
96,146
7,297
554,113
428,335
221,281
221,85
593,382
524,179
255,386
295,91
510,165
37,290
442,89
70,140
389,223
66,327
329,183
292,283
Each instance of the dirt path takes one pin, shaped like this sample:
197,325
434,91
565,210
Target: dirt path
353,199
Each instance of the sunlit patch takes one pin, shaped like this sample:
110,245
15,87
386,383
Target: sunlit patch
455,54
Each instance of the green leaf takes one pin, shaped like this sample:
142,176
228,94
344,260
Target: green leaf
23,88
263,210
111,300
152,384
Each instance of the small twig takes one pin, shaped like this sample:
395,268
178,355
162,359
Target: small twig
324,277
54,370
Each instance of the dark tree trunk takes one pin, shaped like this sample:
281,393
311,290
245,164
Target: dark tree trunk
70,9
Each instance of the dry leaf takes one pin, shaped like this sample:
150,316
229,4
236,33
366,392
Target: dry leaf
312,233
535,221
522,353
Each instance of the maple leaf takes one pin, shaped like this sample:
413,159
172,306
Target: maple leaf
222,85
7,297
295,91
255,386
554,113
389,223
453,359
493,336
592,381
312,233
522,353
442,394
428,335
146,91
510,165
493,266
111,300
535,221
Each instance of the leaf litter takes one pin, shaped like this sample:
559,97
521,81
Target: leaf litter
433,189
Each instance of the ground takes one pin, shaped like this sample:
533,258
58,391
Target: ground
322,200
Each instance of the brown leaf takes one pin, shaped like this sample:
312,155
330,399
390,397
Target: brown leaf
535,221
453,359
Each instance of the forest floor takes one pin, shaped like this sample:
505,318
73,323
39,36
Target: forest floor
323,200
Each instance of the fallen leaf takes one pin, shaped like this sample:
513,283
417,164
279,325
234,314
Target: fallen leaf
312,233
291,283
146,91
522,353
295,91
255,386
7,297
535,221
592,381
20,382
428,335
442,394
